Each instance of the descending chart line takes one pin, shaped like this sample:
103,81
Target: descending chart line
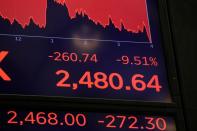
83,25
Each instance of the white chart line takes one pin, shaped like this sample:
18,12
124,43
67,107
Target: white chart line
65,38
147,13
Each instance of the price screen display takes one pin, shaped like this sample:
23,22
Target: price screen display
82,121
95,49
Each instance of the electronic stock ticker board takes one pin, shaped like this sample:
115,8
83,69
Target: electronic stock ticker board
68,49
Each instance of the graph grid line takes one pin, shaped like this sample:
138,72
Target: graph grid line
73,38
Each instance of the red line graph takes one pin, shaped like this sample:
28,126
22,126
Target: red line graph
131,13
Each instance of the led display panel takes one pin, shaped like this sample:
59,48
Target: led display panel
95,49
82,121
